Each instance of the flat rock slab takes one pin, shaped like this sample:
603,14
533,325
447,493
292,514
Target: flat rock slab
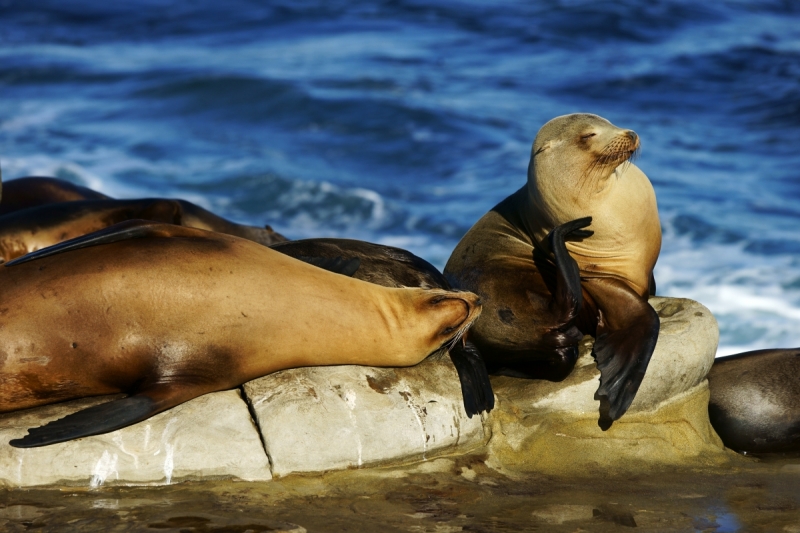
327,418
209,437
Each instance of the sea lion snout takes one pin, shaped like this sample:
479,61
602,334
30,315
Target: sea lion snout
458,310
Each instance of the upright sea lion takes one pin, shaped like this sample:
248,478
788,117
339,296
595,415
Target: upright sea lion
394,267
22,193
545,281
30,229
167,313
755,401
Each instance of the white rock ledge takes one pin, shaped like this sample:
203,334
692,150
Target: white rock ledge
328,418
211,436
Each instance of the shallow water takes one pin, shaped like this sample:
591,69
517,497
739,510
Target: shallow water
442,496
404,121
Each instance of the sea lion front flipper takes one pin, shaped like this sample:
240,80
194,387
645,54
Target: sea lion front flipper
626,337
130,229
476,389
108,416
337,265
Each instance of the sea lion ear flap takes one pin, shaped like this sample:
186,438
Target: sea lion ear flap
536,151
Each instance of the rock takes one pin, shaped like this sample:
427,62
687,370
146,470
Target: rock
553,427
326,418
210,436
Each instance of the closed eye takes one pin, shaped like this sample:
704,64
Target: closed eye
587,136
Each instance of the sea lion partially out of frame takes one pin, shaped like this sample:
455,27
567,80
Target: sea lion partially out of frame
545,280
31,229
168,313
755,401
33,191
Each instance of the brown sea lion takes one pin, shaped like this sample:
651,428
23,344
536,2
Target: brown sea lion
34,228
394,267
22,193
755,401
167,313
545,281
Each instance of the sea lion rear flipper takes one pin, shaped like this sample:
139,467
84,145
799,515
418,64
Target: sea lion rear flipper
476,389
130,229
626,337
94,420
108,416
565,285
337,265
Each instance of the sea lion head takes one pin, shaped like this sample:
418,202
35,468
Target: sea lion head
578,151
449,315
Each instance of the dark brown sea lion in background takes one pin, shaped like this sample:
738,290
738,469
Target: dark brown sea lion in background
755,401
22,193
167,313
34,228
545,281
395,267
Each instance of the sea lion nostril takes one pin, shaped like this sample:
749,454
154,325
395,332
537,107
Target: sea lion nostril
633,136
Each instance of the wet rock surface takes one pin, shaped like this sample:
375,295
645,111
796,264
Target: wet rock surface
443,495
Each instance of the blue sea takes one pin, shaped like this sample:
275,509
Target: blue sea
402,122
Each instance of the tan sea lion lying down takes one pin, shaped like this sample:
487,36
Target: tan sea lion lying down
167,313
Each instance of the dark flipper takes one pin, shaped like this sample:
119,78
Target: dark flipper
564,281
476,389
565,284
626,337
130,229
94,420
337,265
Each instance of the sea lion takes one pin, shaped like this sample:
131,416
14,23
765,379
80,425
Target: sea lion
545,281
30,229
167,313
755,401
394,267
22,193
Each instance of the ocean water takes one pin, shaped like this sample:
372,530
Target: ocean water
402,122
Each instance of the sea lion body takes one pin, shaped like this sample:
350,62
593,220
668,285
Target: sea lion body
176,313
383,265
394,267
31,229
755,401
545,282
22,193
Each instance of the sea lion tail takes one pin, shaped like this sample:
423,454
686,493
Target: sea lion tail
476,389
